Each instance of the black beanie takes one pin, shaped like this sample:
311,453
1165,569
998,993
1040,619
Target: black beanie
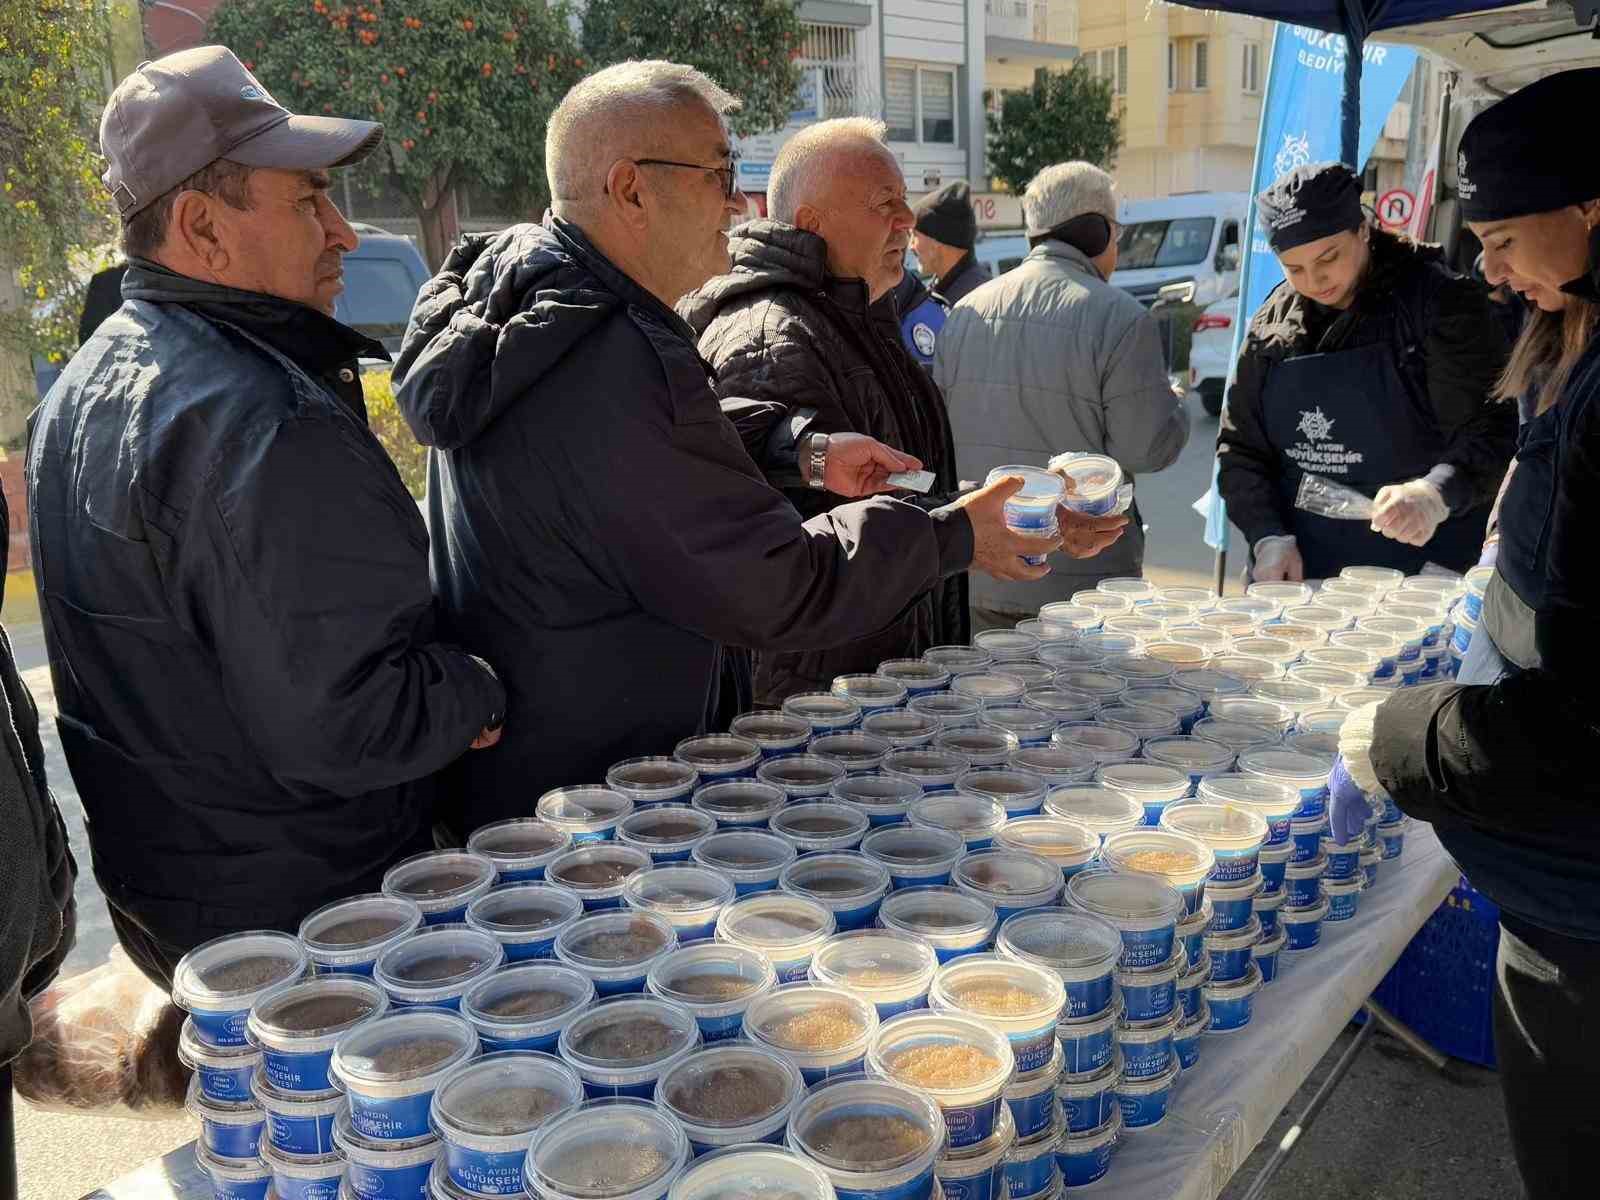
1526,155
946,216
1313,201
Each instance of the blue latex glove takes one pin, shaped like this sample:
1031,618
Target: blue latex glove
1349,809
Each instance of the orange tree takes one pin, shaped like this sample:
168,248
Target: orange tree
463,87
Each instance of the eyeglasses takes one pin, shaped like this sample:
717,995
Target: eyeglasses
729,174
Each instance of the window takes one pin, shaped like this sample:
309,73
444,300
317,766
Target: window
1251,78
1202,64
1179,243
1111,64
920,101
831,75
1172,66
1122,70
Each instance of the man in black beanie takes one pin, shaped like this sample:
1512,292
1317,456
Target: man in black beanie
947,229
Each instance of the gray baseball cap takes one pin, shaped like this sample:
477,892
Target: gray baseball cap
173,116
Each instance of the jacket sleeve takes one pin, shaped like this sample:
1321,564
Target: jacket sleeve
703,543
1146,422
1248,466
1466,351
1564,623
311,581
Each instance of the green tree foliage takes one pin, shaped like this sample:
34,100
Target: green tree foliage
56,220
464,87
749,47
389,426
1065,115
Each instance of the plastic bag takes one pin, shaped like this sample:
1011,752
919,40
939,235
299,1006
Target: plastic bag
1326,498
105,1042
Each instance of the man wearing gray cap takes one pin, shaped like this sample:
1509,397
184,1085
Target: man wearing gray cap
234,581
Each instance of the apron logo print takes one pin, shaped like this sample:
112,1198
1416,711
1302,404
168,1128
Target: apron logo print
1315,425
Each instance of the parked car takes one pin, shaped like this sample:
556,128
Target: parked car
1189,239
381,281
1001,251
1211,352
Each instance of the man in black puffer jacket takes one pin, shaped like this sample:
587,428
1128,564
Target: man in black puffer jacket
804,337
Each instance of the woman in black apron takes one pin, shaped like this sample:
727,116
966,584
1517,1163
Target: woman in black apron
1370,366
1505,771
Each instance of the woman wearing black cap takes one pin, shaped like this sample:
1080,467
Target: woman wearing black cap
1506,772
1370,366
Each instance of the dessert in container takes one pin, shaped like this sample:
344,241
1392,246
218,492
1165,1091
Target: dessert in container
667,833
1232,903
1145,1047
962,1064
391,1067
1088,1043
858,752
525,918
824,711
718,756
1054,764
803,775
1143,908
732,1094
914,856
1234,833
297,1025
1266,907
436,966
1186,1041
485,1112
1028,724
983,746
1342,896
973,818
218,981
303,1177
824,1031
1197,757
653,780
1144,1102
752,858
1153,785
882,799
1031,1165
776,733
586,814
1150,993
875,1139
1265,954
597,872
739,804
1181,861
918,675
933,770
1307,773
873,692
953,922
1021,1000
821,826
621,1045
1011,880
902,728
786,928
234,1178
688,896
1302,881
296,1122
384,1170
617,1149
1302,925
1080,949
1192,929
346,937
1104,743
525,1007
520,848
1070,845
893,970
716,981
848,883
616,949
1007,645
959,660
1101,809
1197,974
1032,1096
223,1074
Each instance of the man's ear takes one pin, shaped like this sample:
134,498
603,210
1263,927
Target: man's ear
626,193
193,230
808,218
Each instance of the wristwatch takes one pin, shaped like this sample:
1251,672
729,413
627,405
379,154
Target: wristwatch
819,461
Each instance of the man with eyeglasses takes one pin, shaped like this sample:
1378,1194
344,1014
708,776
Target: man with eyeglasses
598,527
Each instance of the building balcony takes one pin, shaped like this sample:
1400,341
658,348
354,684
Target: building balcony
1031,33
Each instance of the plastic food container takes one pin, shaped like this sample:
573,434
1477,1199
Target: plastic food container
1302,881
821,826
1095,480
1371,860
849,884
776,733
1027,724
979,1172
1031,510
962,1064
752,859
802,775
441,883
740,803
1273,800
586,814
1181,861
1102,685
1392,838
1019,999
653,780
1192,931
1020,793
1324,745
1150,994
1143,908
1186,1042
1307,774
1266,906
918,675
1032,1096
1233,903
959,660
1154,786
223,1076
1031,1166
519,848
1245,667
1070,845
824,1031
953,922
1342,896
1072,618
619,1149
1144,721
1253,710
872,692
1111,644
436,966
1302,925
716,982
526,1007
1007,645
1197,757
784,927
858,752
718,756
730,1095
345,937
1046,633
219,981
1088,1043
902,728
525,918
1190,982
1274,867
298,1124
984,747
875,1139
234,1178
1010,880
690,897
1229,951
1344,862
890,969
622,1045
597,872
1061,704
883,799
616,949
1084,1158
1107,744
1265,954
1100,809
1088,1100
1231,1002
1034,674
1234,833
1144,1102
975,819
1072,655
1238,736
1080,949
726,1175
913,856
667,833
303,1177
384,1170
990,689
391,1067
1145,1047
228,1129
297,1025
485,1111
933,770
1054,764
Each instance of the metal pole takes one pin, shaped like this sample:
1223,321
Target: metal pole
8,1139
1221,581
1397,1029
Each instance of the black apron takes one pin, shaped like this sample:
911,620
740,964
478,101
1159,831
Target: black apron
1348,416
1517,588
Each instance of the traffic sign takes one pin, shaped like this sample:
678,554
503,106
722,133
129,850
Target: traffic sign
1395,208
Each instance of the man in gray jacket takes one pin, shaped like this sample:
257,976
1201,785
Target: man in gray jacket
1049,358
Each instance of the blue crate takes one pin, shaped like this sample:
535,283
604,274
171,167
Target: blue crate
1442,986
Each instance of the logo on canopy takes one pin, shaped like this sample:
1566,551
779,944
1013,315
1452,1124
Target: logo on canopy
1295,152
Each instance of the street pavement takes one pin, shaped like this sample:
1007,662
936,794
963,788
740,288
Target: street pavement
1394,1130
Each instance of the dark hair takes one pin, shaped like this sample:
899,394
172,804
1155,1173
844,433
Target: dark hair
1551,343
144,233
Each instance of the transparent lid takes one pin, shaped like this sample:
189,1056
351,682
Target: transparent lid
317,1006
989,687
1438,585
597,866
1273,649
945,708
1321,720
505,1094
677,887
1220,826
1175,856
805,822
867,1125
1254,790
1019,720
643,778
1062,703
1133,588
1259,607
835,878
669,825
605,1149
875,792
1189,753
1010,788
1061,938
811,1018
962,813
1110,643
1052,761
1184,653
804,770
1038,487
359,922
1137,669
1200,598
439,875
740,800
507,843
1101,684
524,907
1092,474
910,846
854,749
977,743
1373,647
1007,644
774,921
1141,779
1095,805
1237,735
958,658
1329,678
743,850
1383,576
1143,719
1007,873
1353,700
1252,710
1140,626
616,938
1066,656
443,956
711,973
526,993
1304,769
1169,614
1325,745
405,1044
1070,616
729,1086
823,709
876,690
1126,894
1282,593
1052,837
1226,620
717,753
769,728
629,1032
752,1172
914,671
1401,629
899,725
865,959
1100,740
943,1053
583,806
1210,682
936,912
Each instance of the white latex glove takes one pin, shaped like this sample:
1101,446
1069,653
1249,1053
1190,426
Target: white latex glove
1277,558
1355,747
1408,512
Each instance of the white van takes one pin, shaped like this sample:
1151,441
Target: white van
1190,239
